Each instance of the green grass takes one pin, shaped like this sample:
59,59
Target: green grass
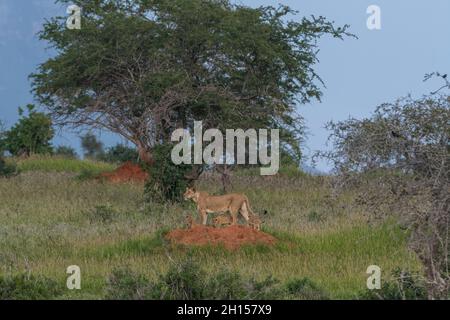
46,225
61,164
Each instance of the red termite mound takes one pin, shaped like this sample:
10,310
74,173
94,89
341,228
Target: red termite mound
231,237
128,172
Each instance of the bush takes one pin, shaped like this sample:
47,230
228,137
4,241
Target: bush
28,287
30,135
7,169
305,289
188,281
403,286
65,152
124,284
183,282
168,181
120,154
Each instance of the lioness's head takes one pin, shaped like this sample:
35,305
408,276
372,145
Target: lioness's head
189,193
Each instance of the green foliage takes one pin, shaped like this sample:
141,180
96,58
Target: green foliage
30,135
187,60
120,154
92,148
124,284
305,289
183,282
168,181
403,286
7,169
28,287
60,164
65,152
189,281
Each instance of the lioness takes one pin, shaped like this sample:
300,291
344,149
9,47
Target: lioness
222,220
233,203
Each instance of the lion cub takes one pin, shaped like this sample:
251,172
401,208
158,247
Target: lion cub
222,220
190,222
255,222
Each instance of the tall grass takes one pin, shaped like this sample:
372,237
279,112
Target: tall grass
48,221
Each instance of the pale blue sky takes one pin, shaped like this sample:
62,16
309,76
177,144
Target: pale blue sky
359,74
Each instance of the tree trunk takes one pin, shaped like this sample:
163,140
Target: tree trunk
145,154
224,171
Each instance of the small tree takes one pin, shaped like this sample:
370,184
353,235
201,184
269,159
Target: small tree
120,153
66,152
93,149
30,135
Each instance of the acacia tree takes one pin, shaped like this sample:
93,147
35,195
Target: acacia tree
142,68
399,159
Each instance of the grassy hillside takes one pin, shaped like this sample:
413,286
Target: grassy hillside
50,220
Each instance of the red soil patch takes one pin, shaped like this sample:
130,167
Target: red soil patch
128,172
231,237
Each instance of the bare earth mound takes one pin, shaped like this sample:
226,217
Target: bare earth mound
231,237
128,172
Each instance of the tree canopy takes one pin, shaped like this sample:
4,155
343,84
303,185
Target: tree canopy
142,68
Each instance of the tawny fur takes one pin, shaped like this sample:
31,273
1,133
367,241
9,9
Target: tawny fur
222,221
233,203
190,222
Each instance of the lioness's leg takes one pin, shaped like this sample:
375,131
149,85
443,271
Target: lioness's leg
204,216
234,213
244,212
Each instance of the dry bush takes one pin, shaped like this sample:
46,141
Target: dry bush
398,160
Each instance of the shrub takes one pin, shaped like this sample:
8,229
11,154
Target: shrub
403,286
183,282
168,180
305,289
188,281
30,135
28,287
7,169
124,284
